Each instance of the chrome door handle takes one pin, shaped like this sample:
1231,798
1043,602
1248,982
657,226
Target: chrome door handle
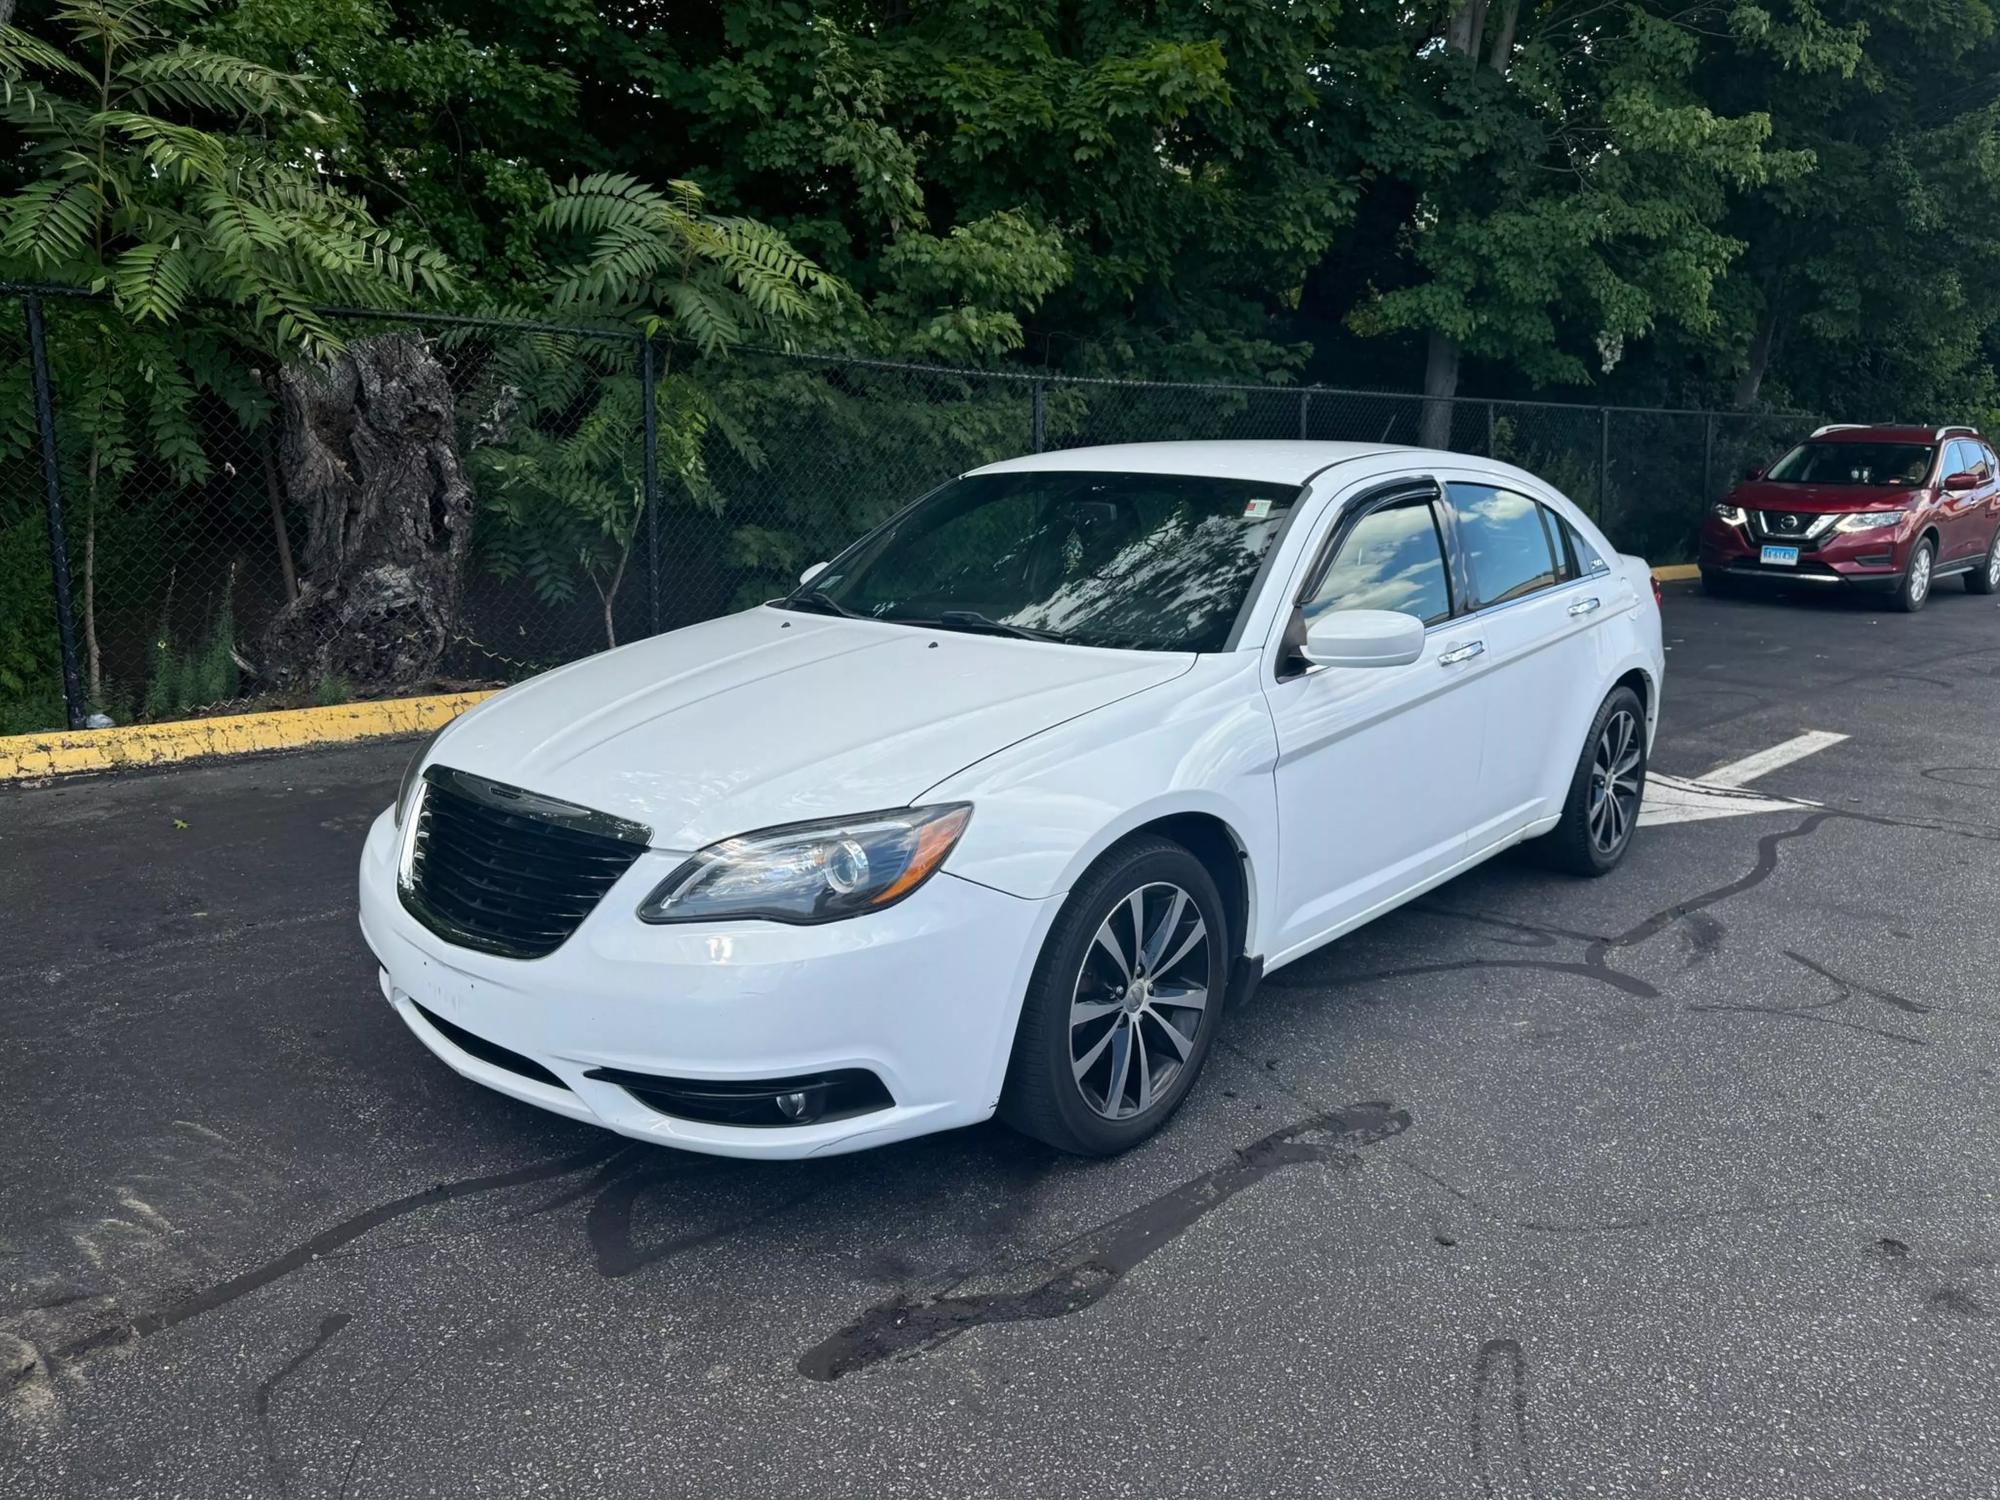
1583,606
1461,653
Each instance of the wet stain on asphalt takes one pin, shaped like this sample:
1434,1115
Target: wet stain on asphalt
1083,1270
1499,1427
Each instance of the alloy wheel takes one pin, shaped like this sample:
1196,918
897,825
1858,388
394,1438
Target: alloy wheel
1141,998
1614,782
1993,564
1920,575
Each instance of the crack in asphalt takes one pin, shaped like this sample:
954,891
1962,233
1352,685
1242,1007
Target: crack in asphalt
260,1403
1085,1268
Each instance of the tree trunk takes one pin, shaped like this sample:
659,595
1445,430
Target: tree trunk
1503,40
1440,383
1751,381
370,450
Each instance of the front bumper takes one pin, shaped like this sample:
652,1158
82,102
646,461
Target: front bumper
1854,560
925,996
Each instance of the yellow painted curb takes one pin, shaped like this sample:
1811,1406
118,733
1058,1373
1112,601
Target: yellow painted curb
1677,572
23,756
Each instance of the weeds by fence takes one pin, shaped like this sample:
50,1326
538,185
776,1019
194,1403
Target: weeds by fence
151,525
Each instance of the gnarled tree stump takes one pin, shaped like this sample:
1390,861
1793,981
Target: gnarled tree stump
370,454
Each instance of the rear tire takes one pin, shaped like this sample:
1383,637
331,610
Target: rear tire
1985,579
1120,1013
1915,590
1602,808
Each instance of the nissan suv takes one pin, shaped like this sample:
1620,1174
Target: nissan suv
1856,507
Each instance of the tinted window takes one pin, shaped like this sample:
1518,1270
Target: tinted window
1392,559
1505,540
1154,562
1854,463
1587,559
1966,457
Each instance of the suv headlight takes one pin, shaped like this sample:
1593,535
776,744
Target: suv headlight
409,781
1870,520
1733,514
811,872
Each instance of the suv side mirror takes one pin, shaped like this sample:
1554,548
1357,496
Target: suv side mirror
1364,638
1965,479
811,573
1753,473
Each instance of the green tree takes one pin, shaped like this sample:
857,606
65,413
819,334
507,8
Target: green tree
155,170
1563,186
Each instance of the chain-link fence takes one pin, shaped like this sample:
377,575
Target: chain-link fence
207,509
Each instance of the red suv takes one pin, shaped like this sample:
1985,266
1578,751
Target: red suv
1892,508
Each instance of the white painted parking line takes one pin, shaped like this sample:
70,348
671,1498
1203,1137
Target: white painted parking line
1742,772
1720,794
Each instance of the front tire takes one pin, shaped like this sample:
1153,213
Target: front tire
1124,1003
1602,808
1717,584
1915,590
1985,579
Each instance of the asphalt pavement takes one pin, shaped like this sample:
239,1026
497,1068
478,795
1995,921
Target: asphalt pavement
1681,1182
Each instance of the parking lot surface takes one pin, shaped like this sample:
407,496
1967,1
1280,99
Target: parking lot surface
1680,1182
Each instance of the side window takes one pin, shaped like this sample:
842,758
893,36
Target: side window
1392,559
1506,541
1588,562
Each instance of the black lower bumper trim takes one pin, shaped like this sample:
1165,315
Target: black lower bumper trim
489,1052
807,1099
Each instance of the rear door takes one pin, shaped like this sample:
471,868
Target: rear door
1536,609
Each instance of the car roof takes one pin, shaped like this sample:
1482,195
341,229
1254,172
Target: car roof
1890,433
1271,461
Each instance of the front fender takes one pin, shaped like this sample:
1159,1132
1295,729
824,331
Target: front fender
1045,809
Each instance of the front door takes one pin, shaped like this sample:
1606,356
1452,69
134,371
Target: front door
1377,766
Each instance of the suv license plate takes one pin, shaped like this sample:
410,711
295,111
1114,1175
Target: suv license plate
1784,557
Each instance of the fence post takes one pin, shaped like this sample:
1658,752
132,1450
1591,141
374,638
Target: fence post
1603,461
1040,417
1490,443
1305,419
45,418
1707,458
648,393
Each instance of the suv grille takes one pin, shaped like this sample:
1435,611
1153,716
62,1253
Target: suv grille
508,871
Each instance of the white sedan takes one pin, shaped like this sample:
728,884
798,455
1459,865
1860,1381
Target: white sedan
1004,806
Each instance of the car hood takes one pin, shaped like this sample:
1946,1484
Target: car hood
773,716
1820,499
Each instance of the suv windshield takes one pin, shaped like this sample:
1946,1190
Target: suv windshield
1151,562
1854,463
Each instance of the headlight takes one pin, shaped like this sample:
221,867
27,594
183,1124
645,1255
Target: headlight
811,872
409,781
1733,514
1870,520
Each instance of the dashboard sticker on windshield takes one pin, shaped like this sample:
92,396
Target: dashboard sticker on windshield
1256,510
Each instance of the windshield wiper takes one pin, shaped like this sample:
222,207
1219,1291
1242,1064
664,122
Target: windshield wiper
973,622
817,602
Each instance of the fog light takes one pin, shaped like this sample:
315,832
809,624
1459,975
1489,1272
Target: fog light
796,1106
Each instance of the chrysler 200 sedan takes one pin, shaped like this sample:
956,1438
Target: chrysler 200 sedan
1001,808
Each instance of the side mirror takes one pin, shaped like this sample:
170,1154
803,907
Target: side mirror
1965,479
811,573
1364,638
1753,473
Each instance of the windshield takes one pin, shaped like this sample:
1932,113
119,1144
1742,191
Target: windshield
1854,463
1150,562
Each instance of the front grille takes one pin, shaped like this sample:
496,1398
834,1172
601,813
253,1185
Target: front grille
1804,532
508,871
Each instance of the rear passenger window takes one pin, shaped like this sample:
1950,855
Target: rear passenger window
1392,559
1587,559
1507,541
